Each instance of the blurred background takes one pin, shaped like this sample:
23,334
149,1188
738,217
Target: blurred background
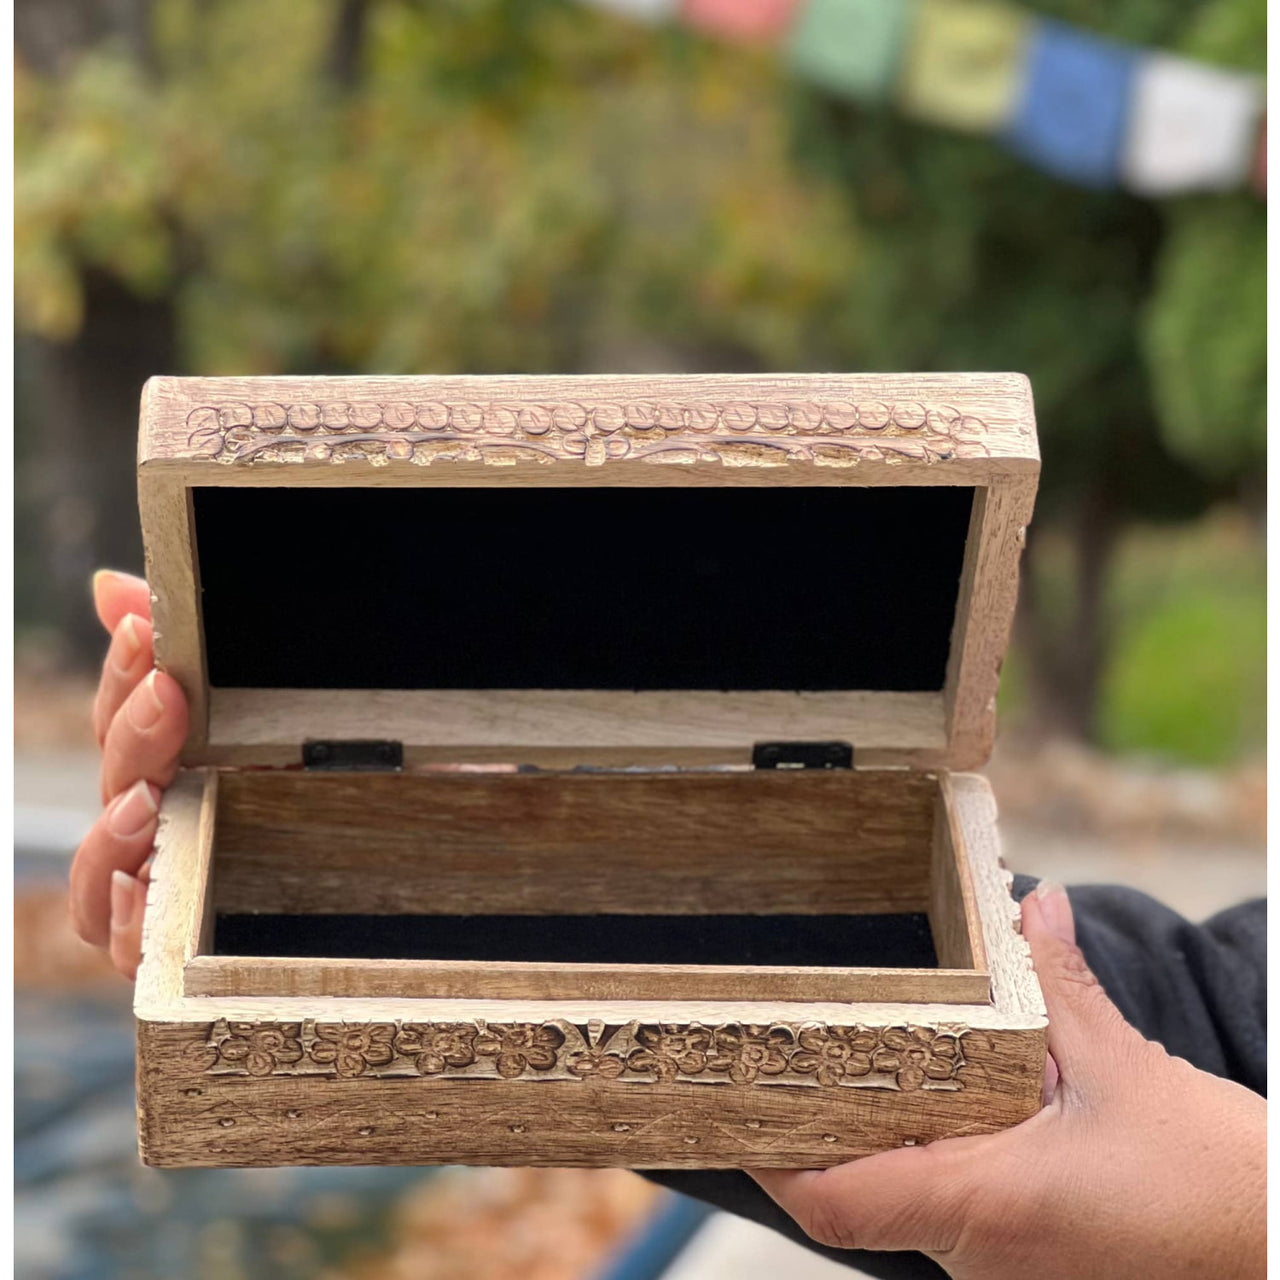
345,186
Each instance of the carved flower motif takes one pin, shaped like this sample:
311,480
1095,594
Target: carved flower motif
747,1052
260,1049
595,1062
916,1054
521,1045
668,1052
832,1053
903,1054
436,1046
351,1047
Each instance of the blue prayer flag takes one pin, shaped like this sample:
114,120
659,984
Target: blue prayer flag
1075,100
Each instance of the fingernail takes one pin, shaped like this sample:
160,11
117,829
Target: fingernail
100,575
132,811
124,900
144,704
129,644
1055,908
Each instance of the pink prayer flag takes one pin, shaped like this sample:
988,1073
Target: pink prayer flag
748,20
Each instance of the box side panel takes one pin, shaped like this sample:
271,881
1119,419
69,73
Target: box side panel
953,909
639,1097
984,616
1015,990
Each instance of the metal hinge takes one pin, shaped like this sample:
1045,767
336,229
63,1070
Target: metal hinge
353,756
802,755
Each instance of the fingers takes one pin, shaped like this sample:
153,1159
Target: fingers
128,660
128,905
115,594
1056,910
912,1198
121,840
146,736
1086,1031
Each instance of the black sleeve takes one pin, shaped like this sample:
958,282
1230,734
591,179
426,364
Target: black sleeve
1199,990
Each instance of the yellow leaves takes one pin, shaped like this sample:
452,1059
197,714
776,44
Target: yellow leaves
47,291
90,186
621,188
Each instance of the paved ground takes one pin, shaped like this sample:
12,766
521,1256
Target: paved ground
85,1209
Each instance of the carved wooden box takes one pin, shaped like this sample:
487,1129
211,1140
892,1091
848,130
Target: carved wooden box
569,773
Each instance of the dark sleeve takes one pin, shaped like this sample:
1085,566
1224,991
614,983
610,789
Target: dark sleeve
1199,990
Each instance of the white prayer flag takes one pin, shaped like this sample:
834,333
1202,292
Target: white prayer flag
1191,127
641,10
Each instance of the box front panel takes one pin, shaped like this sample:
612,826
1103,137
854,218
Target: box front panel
734,1095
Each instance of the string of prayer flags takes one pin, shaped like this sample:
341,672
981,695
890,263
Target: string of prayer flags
1070,120
1086,109
1192,127
850,46
963,63
754,21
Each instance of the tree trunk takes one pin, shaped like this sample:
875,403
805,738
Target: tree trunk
1069,655
84,397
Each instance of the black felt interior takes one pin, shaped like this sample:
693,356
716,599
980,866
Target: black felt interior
885,941
584,588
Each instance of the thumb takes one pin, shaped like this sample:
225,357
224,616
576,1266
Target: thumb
1086,1031
909,1198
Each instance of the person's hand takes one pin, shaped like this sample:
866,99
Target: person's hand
140,718
1139,1166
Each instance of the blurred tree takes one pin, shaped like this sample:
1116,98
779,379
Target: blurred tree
1141,326
494,185
1205,327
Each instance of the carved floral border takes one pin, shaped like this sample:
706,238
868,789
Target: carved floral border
732,432
904,1058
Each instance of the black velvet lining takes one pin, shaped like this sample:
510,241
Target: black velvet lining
509,588
884,941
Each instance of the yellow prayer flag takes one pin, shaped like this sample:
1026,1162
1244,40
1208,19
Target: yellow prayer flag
964,63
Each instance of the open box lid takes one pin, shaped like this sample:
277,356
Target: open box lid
592,570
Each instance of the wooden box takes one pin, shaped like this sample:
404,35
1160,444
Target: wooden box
517,824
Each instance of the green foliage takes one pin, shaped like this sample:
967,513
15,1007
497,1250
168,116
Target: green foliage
1189,662
1185,674
533,186
1206,335
504,185
1206,325
90,184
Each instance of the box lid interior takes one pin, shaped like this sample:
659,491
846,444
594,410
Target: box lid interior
548,620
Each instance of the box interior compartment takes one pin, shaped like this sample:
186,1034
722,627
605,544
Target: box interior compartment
698,885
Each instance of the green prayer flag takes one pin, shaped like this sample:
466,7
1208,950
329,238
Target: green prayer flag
850,46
